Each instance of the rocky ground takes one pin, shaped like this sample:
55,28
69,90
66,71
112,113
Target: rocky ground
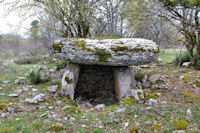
167,99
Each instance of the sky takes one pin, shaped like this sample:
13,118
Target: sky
13,22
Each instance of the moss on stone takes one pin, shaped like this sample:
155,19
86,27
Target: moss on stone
187,95
120,48
6,129
56,128
102,55
124,48
180,125
81,44
101,38
57,47
3,106
68,79
134,130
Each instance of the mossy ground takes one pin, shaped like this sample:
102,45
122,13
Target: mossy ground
179,95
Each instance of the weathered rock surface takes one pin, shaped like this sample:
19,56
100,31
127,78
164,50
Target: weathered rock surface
111,52
36,99
123,82
70,79
21,80
52,89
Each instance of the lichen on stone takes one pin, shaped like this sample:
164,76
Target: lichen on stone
102,55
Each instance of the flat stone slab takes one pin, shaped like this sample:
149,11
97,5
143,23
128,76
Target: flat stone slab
111,52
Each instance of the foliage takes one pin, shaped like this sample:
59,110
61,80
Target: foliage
27,60
102,55
185,58
183,14
34,77
34,30
61,64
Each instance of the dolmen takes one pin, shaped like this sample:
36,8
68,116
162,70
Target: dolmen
99,69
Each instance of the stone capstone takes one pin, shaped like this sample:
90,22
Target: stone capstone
110,52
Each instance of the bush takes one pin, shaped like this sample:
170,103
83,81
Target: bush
27,60
184,58
61,64
34,77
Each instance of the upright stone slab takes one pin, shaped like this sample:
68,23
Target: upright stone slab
123,82
70,79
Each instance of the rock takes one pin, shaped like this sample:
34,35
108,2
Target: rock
14,108
25,88
154,78
70,79
186,64
52,89
189,113
21,80
181,77
36,99
111,52
5,81
120,110
148,122
146,85
152,102
100,106
13,95
178,131
137,93
112,121
19,91
34,90
123,82
139,85
2,94
59,102
164,102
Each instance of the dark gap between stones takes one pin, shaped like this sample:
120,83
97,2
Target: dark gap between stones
96,84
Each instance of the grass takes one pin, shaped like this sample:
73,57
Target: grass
41,118
168,56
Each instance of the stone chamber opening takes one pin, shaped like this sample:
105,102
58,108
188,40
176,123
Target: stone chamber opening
96,85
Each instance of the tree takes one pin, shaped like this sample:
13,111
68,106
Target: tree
73,17
34,30
185,16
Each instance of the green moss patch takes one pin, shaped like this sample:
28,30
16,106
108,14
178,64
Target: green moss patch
57,47
68,79
102,55
180,125
120,48
81,44
56,128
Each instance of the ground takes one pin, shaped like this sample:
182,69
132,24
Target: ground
178,105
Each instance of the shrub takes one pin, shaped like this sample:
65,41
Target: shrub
185,58
61,64
27,60
34,77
